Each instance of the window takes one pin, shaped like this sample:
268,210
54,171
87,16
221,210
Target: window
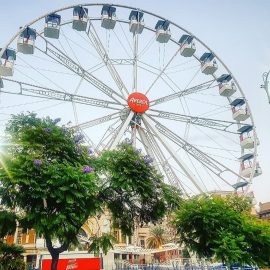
116,234
19,237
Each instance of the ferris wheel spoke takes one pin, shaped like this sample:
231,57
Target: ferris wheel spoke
221,125
172,152
87,139
60,57
162,71
121,131
153,149
97,44
108,135
98,121
26,89
212,164
165,79
188,91
135,61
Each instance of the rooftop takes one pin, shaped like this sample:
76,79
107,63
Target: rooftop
264,207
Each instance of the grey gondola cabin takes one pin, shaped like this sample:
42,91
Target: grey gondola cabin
187,46
80,18
208,64
136,22
239,110
247,166
163,32
52,26
108,17
7,62
226,85
240,184
247,137
26,41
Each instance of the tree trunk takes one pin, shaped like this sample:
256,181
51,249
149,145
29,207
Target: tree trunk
55,252
55,258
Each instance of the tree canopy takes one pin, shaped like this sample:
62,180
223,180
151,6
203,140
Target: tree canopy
132,189
57,182
223,228
10,255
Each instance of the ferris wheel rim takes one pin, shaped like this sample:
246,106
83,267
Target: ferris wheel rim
176,25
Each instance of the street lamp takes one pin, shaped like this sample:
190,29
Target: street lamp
265,83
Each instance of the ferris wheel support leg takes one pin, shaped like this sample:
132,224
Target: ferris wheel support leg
154,150
108,136
177,159
148,147
121,131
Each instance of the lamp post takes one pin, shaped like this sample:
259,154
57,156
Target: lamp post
265,84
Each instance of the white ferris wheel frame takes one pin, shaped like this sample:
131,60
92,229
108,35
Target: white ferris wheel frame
147,139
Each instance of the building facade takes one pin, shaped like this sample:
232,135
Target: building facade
264,211
127,249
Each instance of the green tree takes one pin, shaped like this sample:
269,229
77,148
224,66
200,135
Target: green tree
7,223
48,174
132,189
222,228
11,257
156,238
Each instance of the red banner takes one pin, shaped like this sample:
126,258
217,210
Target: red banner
73,264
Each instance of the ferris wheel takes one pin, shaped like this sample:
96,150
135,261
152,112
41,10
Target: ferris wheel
122,74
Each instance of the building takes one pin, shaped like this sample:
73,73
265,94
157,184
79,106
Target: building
127,249
264,211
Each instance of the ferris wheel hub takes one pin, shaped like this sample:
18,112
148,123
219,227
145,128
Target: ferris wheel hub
138,102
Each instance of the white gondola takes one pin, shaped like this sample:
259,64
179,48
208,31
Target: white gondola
239,110
208,64
258,170
108,17
247,138
52,26
187,44
26,41
163,33
7,62
80,18
226,86
247,166
136,22
246,172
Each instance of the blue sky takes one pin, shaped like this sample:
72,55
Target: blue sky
238,31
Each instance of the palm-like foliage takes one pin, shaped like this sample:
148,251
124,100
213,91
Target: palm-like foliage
156,238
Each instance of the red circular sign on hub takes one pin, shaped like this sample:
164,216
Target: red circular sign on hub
138,102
